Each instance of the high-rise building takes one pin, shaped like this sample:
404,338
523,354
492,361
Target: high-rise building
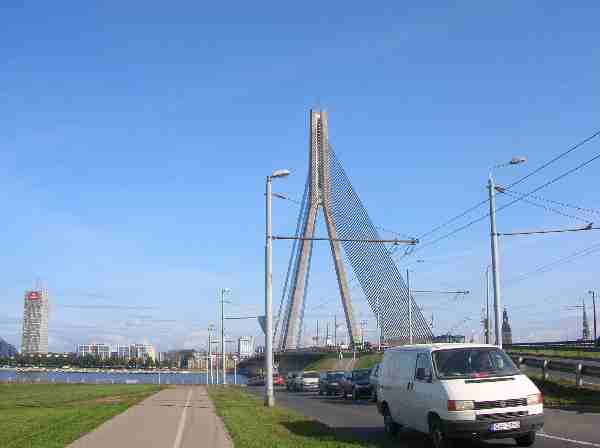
245,346
35,323
506,330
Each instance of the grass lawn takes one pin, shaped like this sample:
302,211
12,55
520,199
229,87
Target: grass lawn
368,361
54,415
563,394
251,425
326,363
330,362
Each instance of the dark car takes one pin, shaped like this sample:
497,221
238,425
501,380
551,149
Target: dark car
290,379
356,383
374,381
329,383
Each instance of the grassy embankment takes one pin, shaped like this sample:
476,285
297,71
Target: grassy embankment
53,415
330,362
251,425
575,354
563,394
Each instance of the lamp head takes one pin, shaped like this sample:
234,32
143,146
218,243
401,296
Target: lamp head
280,173
517,160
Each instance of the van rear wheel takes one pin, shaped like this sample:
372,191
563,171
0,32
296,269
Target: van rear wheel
438,438
390,426
526,440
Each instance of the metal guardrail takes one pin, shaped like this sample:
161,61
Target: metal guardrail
584,346
547,365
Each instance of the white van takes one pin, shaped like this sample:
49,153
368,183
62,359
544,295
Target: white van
458,391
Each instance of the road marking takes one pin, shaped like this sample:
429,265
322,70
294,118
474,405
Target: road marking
563,439
182,420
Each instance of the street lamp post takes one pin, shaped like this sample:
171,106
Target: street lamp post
269,396
494,246
487,304
223,363
593,293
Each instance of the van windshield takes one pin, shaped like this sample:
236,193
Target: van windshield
473,363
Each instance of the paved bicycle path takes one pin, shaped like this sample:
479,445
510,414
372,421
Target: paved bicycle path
181,417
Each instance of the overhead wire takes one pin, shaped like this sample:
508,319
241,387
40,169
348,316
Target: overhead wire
545,207
551,266
559,203
524,196
518,181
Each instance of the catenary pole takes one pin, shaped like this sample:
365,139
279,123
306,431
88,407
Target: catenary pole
410,329
223,335
495,261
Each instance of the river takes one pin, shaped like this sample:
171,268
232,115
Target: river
93,377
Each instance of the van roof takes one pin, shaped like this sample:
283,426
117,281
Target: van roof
435,347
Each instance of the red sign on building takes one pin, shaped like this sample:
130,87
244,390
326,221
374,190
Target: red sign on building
34,295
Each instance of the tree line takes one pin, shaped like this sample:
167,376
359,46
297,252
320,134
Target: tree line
88,361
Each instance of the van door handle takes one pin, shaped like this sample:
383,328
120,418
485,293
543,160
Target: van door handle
409,386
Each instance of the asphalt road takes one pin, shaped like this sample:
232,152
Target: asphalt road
361,420
181,417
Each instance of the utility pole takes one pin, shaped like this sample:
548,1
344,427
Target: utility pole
494,245
317,333
327,334
210,366
495,260
487,304
593,293
410,330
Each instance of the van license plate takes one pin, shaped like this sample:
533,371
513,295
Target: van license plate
505,426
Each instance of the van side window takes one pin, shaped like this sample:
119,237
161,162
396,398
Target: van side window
423,370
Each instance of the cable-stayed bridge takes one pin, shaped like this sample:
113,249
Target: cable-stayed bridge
349,227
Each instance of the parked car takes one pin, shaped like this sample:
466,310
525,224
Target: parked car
289,380
278,380
458,391
306,381
329,382
356,383
258,380
373,381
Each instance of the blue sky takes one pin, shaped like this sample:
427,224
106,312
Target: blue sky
135,139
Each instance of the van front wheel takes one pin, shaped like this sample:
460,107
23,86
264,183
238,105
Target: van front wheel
391,427
526,440
438,438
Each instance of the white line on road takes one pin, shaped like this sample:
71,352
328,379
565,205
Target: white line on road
563,439
182,421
